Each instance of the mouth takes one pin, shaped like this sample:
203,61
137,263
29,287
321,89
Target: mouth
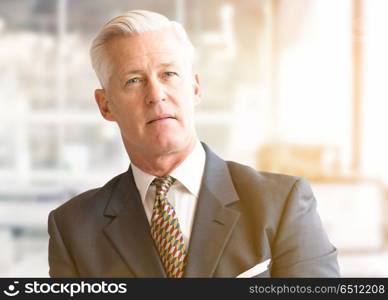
160,118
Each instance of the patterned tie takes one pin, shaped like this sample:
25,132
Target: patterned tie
166,231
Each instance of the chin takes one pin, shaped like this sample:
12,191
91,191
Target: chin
171,144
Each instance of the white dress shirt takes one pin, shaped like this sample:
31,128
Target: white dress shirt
183,194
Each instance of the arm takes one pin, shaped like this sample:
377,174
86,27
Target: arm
60,261
301,247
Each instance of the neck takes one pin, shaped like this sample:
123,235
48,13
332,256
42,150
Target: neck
161,164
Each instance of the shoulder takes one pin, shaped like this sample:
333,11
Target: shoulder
244,176
91,200
261,188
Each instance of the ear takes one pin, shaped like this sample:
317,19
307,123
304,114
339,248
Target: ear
103,104
197,90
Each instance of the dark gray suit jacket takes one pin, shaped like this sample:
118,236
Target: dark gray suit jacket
243,218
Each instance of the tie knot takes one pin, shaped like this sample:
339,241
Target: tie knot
163,184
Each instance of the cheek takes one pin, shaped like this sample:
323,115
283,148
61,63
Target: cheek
129,116
187,114
186,98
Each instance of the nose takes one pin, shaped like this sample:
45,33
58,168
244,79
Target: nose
155,91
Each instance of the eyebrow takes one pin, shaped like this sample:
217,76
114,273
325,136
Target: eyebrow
168,64
137,71
133,72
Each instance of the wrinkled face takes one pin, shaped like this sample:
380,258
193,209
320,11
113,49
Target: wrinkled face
151,93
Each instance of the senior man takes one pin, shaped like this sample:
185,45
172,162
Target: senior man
179,210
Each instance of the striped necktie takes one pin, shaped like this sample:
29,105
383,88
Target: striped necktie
166,231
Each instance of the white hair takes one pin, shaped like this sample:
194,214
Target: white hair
129,23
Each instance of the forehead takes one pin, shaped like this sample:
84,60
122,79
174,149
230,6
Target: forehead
154,45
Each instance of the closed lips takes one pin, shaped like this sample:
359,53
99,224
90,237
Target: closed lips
161,117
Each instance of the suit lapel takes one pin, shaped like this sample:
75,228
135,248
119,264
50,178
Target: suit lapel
129,230
214,221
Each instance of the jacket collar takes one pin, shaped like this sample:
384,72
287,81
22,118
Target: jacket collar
129,230
214,221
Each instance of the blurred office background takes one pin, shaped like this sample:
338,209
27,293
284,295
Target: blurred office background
291,86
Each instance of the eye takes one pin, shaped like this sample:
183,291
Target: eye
133,80
169,74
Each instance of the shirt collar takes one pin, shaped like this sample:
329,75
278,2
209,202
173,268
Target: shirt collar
189,173
142,181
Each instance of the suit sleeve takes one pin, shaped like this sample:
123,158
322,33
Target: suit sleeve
301,247
60,261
